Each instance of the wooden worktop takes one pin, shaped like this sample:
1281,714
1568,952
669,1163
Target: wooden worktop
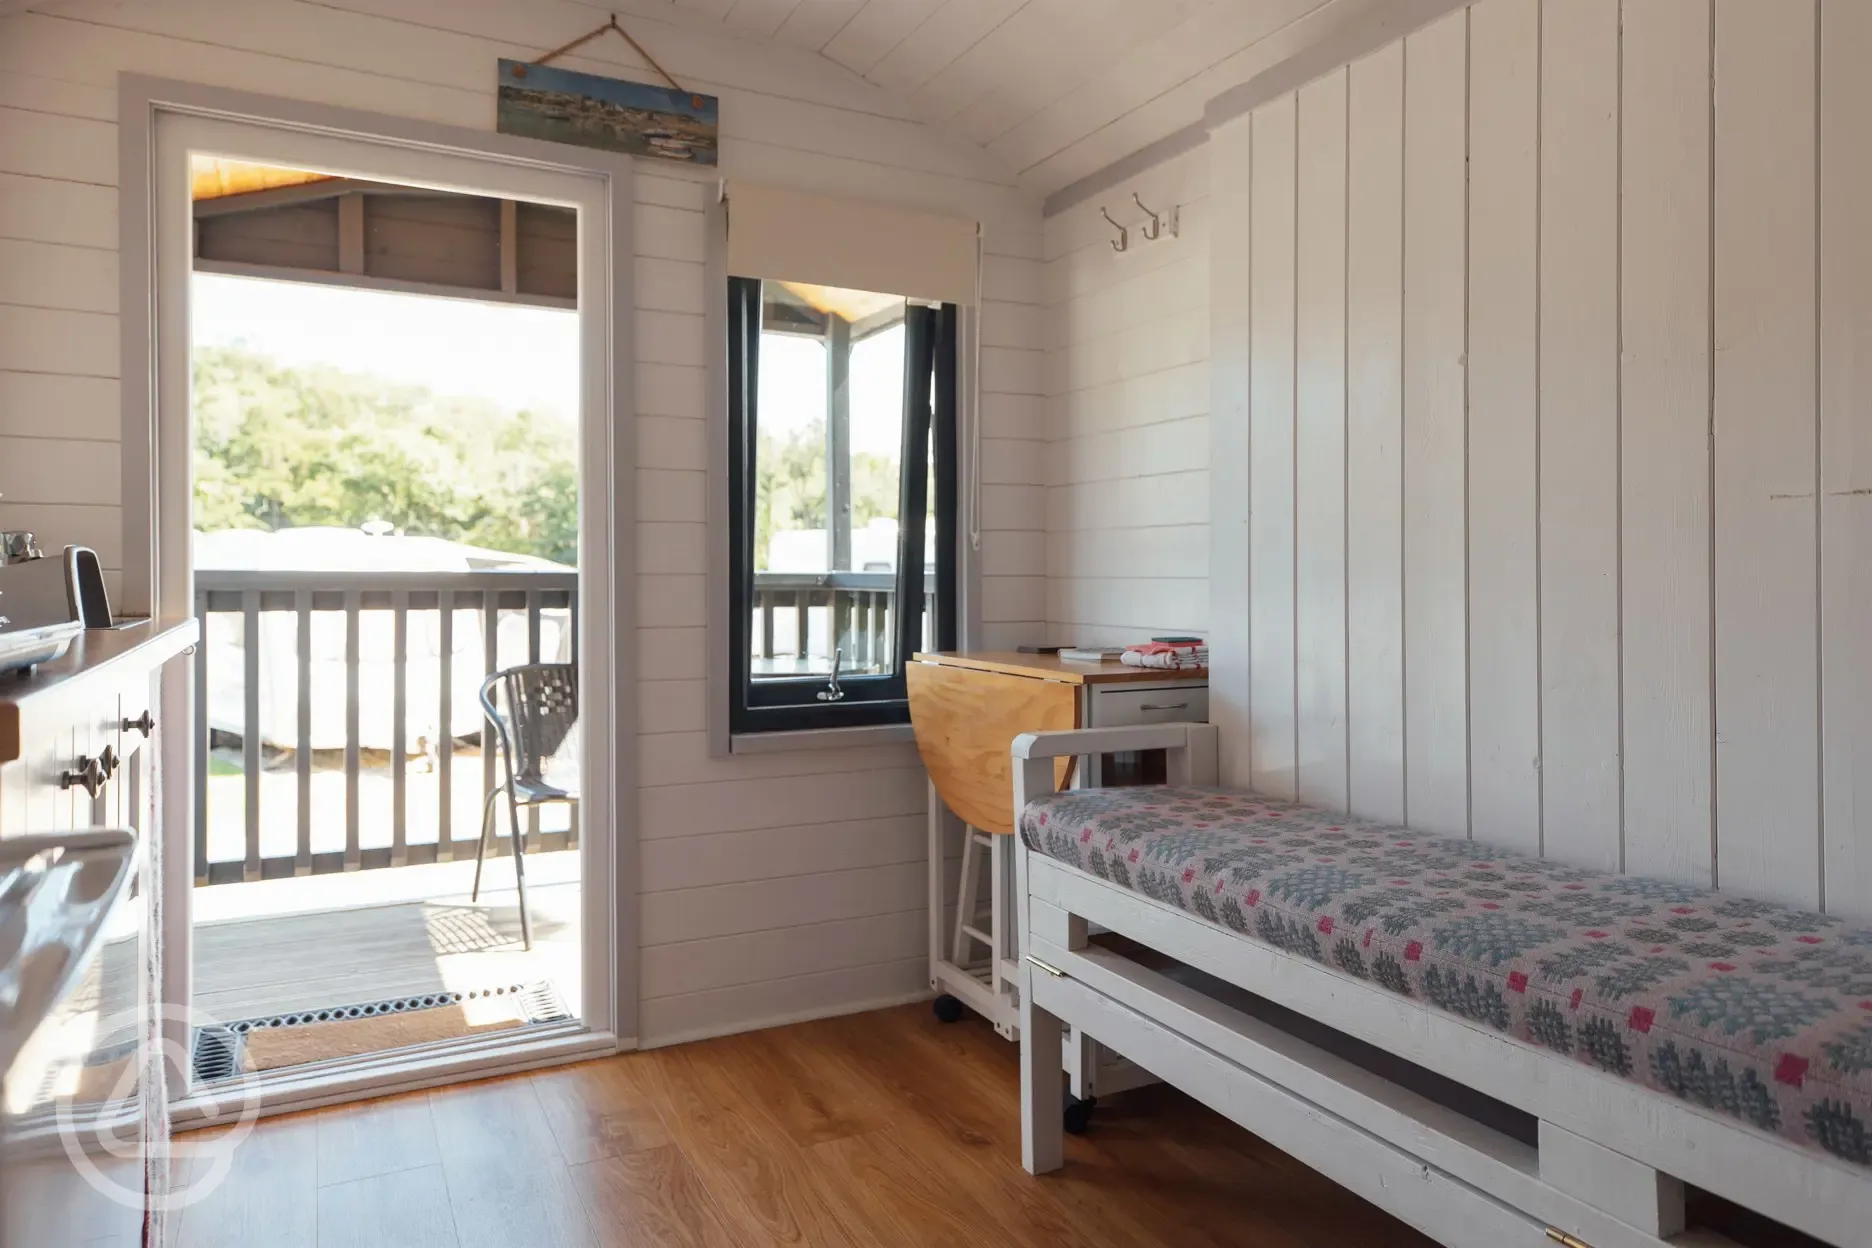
1052,667
135,647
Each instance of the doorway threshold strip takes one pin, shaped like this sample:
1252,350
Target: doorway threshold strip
225,1050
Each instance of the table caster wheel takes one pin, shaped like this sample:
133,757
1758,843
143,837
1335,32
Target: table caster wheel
1079,1114
947,1008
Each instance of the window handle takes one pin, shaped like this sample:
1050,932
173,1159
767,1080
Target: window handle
832,692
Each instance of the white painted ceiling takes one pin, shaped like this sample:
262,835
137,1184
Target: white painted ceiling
1056,89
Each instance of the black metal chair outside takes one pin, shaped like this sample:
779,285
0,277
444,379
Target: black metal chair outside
541,702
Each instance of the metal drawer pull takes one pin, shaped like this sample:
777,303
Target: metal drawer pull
1164,706
109,762
90,777
144,723
1050,969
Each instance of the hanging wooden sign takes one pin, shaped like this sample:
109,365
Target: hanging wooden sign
541,101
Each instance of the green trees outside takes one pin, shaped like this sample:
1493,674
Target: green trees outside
790,486
282,446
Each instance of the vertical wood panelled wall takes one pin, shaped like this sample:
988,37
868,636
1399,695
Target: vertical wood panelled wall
1127,398
1541,456
774,885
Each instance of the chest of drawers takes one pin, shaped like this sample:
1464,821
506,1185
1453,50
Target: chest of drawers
78,746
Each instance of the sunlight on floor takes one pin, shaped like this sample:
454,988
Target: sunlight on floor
291,945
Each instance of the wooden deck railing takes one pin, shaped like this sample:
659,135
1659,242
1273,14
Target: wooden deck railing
853,610
298,664
299,621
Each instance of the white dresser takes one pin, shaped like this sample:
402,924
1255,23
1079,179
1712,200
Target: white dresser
84,1126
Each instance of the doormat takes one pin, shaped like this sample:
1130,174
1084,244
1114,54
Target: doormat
323,1035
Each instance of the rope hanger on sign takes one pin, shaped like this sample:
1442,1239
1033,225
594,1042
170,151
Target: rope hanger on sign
582,40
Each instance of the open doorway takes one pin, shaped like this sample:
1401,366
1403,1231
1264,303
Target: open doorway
167,126
385,403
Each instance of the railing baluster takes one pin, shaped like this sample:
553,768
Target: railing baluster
533,625
399,732
533,656
302,754
490,639
250,726
445,747
353,855
572,614
203,737
838,623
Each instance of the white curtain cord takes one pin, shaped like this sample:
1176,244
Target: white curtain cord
975,422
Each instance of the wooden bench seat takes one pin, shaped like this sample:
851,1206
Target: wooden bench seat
1759,1011
1640,1038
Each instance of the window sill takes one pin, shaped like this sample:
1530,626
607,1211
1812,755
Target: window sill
818,739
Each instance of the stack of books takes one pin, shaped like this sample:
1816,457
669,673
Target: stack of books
1091,654
1166,653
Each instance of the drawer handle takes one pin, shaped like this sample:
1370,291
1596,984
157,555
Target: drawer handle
144,723
1164,706
89,776
108,762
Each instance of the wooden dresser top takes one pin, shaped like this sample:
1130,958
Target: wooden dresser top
1052,667
118,651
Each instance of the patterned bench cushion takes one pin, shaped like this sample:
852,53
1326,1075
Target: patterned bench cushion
1754,1010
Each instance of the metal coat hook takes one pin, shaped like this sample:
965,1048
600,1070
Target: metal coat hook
1155,229
1124,236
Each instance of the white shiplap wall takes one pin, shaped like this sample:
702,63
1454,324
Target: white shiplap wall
1556,444
773,885
1127,400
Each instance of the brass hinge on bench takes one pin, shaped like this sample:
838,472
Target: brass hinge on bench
1056,973
1565,1240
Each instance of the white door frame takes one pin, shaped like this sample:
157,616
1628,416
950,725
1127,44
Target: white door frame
160,122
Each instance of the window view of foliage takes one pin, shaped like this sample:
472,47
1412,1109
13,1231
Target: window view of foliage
790,486
281,446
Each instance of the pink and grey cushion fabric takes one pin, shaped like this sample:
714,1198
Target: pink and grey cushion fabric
1742,1007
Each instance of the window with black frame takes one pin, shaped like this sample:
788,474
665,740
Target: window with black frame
842,489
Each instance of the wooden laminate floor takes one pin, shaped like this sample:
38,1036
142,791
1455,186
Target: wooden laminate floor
877,1129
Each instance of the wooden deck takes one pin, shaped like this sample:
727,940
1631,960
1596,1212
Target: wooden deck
877,1129
260,965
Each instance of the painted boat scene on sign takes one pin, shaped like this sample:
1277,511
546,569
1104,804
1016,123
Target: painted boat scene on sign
563,106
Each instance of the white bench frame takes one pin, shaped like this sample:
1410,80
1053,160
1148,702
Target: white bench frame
1613,1157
